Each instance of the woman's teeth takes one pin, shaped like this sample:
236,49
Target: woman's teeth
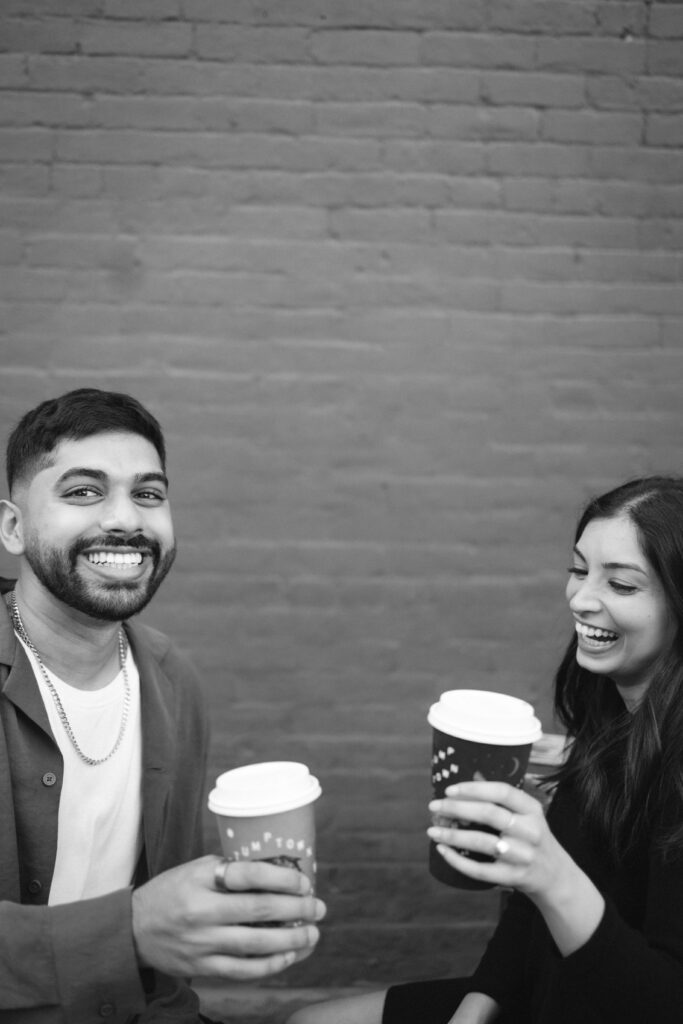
114,558
595,633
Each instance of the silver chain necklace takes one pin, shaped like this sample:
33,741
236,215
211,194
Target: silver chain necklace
20,630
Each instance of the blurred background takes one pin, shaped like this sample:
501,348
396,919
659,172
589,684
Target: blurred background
402,281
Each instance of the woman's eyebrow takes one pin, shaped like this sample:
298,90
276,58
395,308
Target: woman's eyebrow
614,565
624,565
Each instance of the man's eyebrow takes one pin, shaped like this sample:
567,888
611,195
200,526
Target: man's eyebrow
81,471
150,478
78,472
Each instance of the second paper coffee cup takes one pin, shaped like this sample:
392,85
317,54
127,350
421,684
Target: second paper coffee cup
477,732
264,812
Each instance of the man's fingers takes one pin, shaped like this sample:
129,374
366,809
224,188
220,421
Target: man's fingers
261,907
250,969
247,875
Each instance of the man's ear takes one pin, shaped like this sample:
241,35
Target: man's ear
11,527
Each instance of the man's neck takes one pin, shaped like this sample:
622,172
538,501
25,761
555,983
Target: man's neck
82,651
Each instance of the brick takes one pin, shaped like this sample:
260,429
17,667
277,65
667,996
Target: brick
164,39
484,122
666,21
211,115
44,35
12,70
77,181
605,56
626,21
665,58
476,50
378,120
25,179
372,84
613,129
407,14
534,90
368,47
11,249
157,10
664,130
18,145
556,18
46,110
84,74
257,45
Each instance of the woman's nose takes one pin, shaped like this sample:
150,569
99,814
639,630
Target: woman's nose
585,597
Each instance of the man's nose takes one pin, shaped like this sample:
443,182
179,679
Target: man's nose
121,514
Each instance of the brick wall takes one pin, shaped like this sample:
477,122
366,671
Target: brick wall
403,283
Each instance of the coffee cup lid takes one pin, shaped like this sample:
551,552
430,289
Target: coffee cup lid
268,787
483,716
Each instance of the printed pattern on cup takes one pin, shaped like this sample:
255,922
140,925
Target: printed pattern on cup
451,765
268,845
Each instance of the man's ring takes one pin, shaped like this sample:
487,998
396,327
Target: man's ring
501,848
219,875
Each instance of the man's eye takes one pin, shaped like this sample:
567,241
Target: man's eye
82,492
150,497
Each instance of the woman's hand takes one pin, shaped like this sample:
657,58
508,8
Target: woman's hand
526,855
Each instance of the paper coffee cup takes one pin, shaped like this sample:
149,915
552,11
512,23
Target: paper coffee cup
483,734
265,812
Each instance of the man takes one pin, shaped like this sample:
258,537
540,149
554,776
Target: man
105,903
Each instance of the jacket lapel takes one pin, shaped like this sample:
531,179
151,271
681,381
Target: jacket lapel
156,699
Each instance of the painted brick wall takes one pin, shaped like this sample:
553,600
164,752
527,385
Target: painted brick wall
403,283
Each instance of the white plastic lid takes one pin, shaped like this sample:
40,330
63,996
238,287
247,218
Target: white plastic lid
482,716
269,787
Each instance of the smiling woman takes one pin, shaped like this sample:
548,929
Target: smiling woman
594,928
623,622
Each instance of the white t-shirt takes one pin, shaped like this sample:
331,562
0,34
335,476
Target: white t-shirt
100,809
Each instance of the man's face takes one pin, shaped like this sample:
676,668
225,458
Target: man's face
97,529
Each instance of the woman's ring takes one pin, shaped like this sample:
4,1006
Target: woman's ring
219,875
501,848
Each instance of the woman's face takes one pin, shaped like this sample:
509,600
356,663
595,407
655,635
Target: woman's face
623,622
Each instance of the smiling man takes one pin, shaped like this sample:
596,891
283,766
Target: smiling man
105,904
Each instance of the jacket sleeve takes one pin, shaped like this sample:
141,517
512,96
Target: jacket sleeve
632,975
77,957
501,973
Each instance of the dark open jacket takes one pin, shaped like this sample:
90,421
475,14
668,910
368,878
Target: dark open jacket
76,962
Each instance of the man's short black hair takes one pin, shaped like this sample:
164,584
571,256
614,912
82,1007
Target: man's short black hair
74,416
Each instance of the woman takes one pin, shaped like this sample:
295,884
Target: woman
594,930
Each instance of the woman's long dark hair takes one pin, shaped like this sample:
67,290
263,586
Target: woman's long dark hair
628,768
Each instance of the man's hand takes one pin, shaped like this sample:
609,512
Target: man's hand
184,926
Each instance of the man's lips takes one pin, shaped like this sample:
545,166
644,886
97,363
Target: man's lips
115,559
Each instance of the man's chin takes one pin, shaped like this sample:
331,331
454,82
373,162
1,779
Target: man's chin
120,601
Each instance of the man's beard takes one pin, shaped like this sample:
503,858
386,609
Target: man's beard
108,600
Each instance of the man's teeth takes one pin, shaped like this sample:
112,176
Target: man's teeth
114,558
594,633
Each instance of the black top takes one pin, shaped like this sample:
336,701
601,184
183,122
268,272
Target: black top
631,969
